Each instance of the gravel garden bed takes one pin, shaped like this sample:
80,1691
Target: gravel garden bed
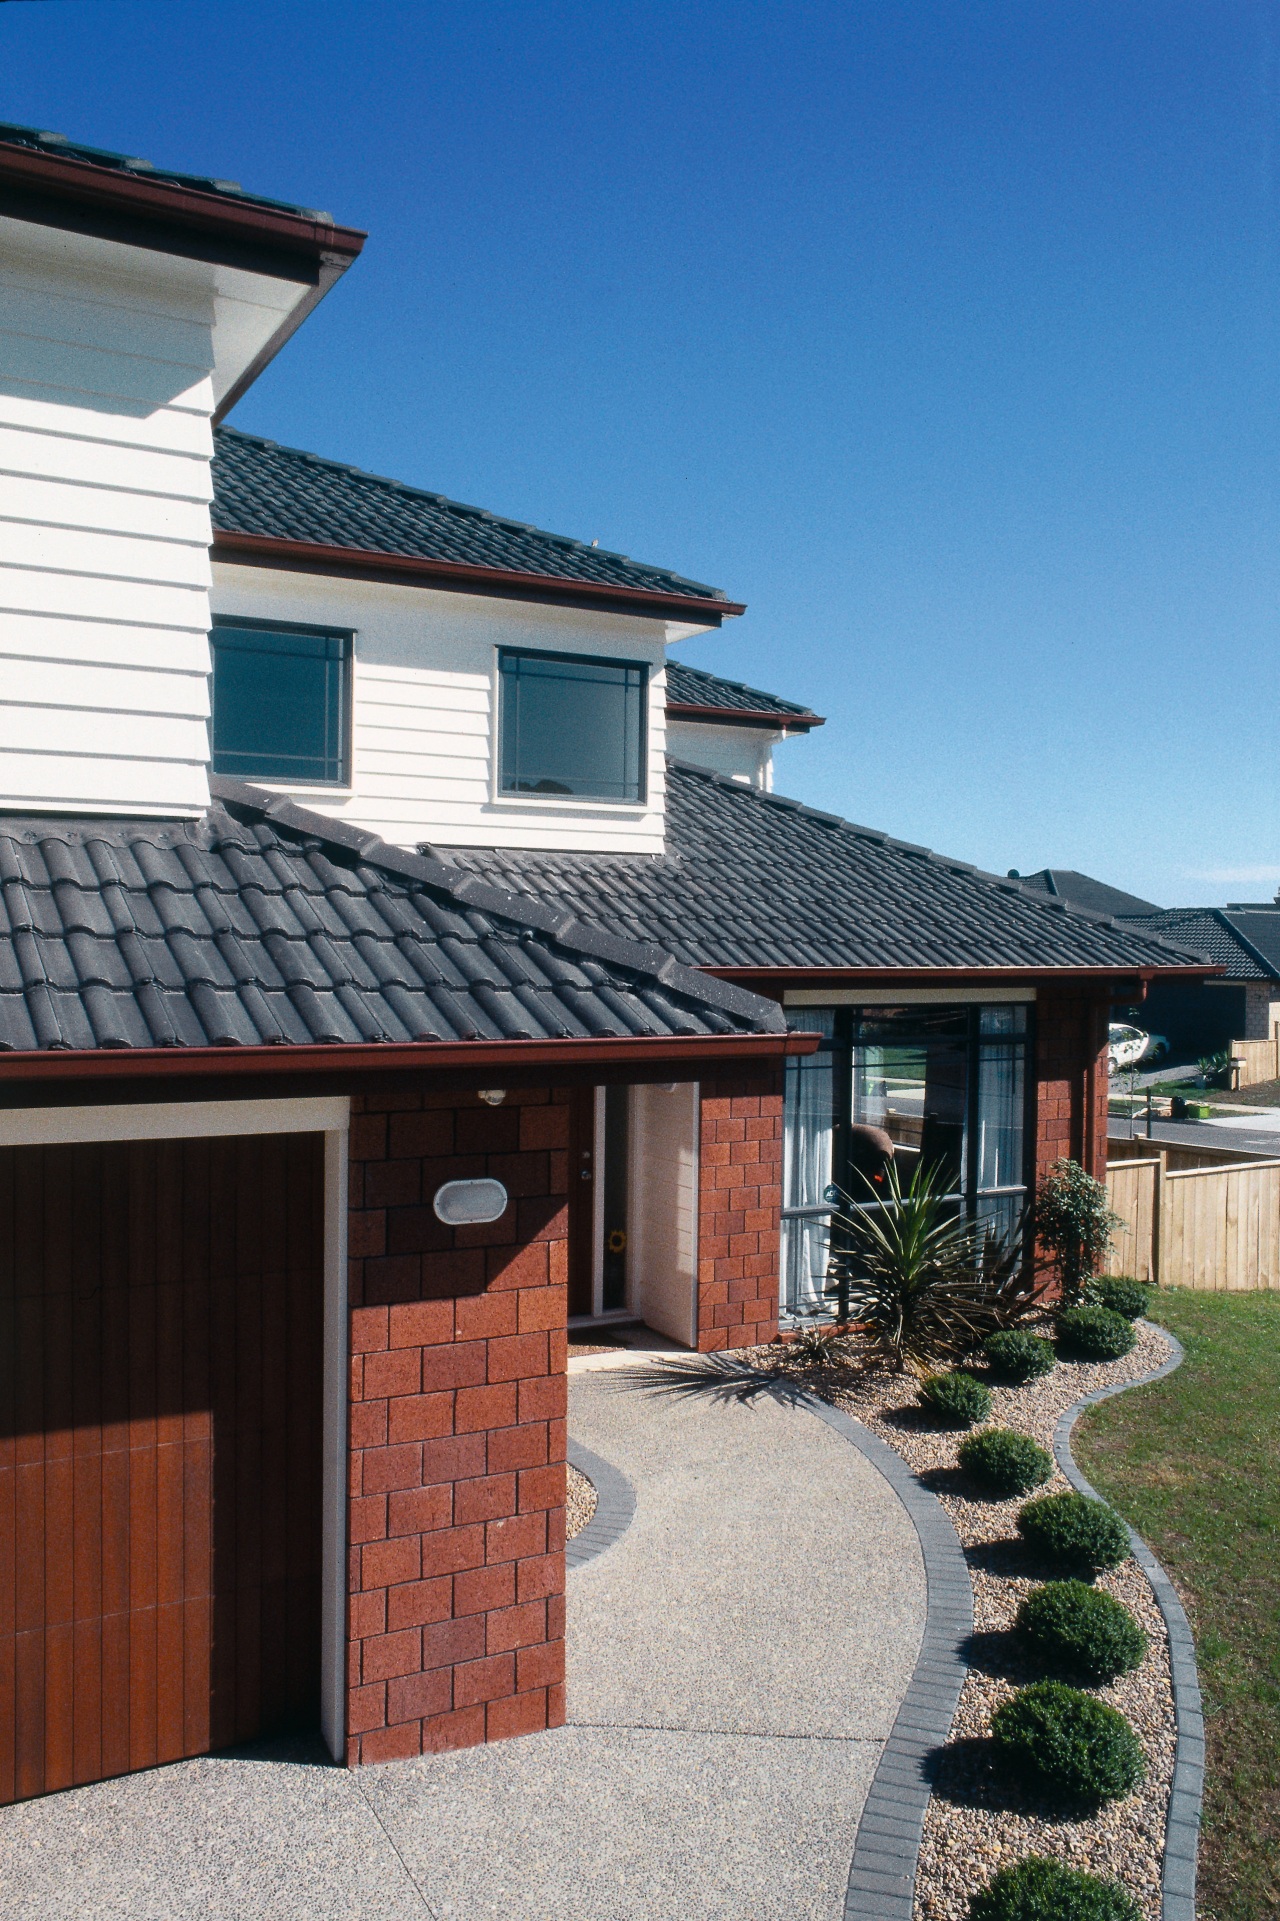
978,1821
580,1503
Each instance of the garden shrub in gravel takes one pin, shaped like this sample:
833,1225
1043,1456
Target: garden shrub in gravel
1121,1294
1094,1334
1074,1533
955,1399
1038,1889
1015,1356
1005,1462
1077,1749
1081,1633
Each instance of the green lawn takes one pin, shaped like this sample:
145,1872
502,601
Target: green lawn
1194,1464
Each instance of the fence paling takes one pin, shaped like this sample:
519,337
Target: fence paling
1259,1061
1201,1227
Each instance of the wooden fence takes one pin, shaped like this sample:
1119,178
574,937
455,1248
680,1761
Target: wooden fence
1215,1227
1259,1061
1177,1155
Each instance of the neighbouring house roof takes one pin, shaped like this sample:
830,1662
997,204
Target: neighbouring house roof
262,922
752,880
1245,941
269,492
694,694
1081,890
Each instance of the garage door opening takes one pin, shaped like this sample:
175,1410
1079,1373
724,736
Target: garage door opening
161,1367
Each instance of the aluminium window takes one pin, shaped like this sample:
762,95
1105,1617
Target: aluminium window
570,724
947,1084
281,701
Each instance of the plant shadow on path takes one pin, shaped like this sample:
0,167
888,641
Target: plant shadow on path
710,1377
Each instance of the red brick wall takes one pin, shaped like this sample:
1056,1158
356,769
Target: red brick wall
1071,1078
740,1198
457,1449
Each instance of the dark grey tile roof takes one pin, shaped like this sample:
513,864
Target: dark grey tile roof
1246,942
260,488
261,922
60,147
693,687
753,880
1081,890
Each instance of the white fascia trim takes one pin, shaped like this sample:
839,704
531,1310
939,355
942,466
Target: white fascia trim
334,1471
169,1120
902,996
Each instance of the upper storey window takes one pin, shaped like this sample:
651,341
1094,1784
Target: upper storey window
569,724
281,703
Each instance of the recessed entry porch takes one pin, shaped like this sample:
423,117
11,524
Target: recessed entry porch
633,1211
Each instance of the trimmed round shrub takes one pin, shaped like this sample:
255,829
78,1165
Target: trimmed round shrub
955,1399
1073,1746
1074,1533
1005,1462
1080,1632
1121,1295
1016,1356
1094,1334
1038,1889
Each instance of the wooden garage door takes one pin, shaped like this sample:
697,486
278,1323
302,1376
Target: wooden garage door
161,1314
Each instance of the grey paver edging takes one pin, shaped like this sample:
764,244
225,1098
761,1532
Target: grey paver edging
615,1506
882,1874
1182,1824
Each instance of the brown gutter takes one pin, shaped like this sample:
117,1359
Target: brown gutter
451,1057
41,185
745,717
360,563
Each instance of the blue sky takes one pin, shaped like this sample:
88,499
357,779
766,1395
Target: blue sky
943,335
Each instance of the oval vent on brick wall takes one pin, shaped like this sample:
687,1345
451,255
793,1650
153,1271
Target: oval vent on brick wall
463,1203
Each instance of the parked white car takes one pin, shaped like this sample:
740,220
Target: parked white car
1127,1046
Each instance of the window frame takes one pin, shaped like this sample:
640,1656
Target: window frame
505,797
840,1048
249,623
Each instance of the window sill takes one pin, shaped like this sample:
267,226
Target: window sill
570,804
320,789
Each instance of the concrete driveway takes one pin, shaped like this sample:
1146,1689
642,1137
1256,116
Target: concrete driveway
735,1662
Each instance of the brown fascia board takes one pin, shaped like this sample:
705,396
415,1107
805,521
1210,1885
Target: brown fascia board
362,563
80,197
469,1063
745,717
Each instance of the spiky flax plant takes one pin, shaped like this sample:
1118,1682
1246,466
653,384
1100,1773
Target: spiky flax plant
922,1284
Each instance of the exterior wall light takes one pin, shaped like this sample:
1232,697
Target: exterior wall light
492,1096
467,1203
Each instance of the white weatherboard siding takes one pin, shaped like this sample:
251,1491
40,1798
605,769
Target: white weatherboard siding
424,694
106,357
743,753
111,361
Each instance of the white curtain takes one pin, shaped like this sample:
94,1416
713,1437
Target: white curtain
806,1167
1000,1106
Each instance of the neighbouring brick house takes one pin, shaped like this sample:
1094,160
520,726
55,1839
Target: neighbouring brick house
379,999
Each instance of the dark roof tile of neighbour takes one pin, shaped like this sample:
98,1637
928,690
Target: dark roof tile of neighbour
1245,941
282,493
60,147
753,880
694,687
261,922
1081,890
